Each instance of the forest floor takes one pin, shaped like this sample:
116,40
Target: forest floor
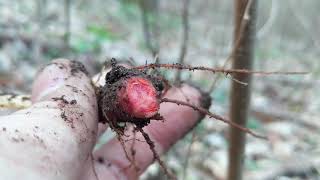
284,108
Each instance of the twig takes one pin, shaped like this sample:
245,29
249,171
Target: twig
184,44
215,116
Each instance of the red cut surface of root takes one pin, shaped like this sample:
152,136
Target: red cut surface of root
138,97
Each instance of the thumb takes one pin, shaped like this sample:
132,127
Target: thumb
57,133
64,96
57,77
64,85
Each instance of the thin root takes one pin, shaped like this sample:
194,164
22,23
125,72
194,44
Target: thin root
94,167
155,154
217,70
132,161
211,115
133,151
133,139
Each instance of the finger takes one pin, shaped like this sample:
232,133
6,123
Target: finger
178,121
58,132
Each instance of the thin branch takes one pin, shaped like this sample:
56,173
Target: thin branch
215,116
217,70
185,38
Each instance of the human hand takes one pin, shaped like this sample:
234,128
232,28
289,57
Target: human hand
54,138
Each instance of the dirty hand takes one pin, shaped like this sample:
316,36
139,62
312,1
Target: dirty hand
54,138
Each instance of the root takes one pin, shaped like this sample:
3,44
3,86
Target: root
155,154
134,139
131,160
217,70
217,117
133,151
94,167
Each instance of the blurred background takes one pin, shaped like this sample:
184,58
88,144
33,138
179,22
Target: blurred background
285,108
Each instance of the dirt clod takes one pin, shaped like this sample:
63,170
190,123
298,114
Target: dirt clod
63,116
77,67
73,102
62,99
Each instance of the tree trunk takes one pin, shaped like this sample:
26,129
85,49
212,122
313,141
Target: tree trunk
245,19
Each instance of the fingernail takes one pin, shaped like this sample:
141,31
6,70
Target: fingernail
51,78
